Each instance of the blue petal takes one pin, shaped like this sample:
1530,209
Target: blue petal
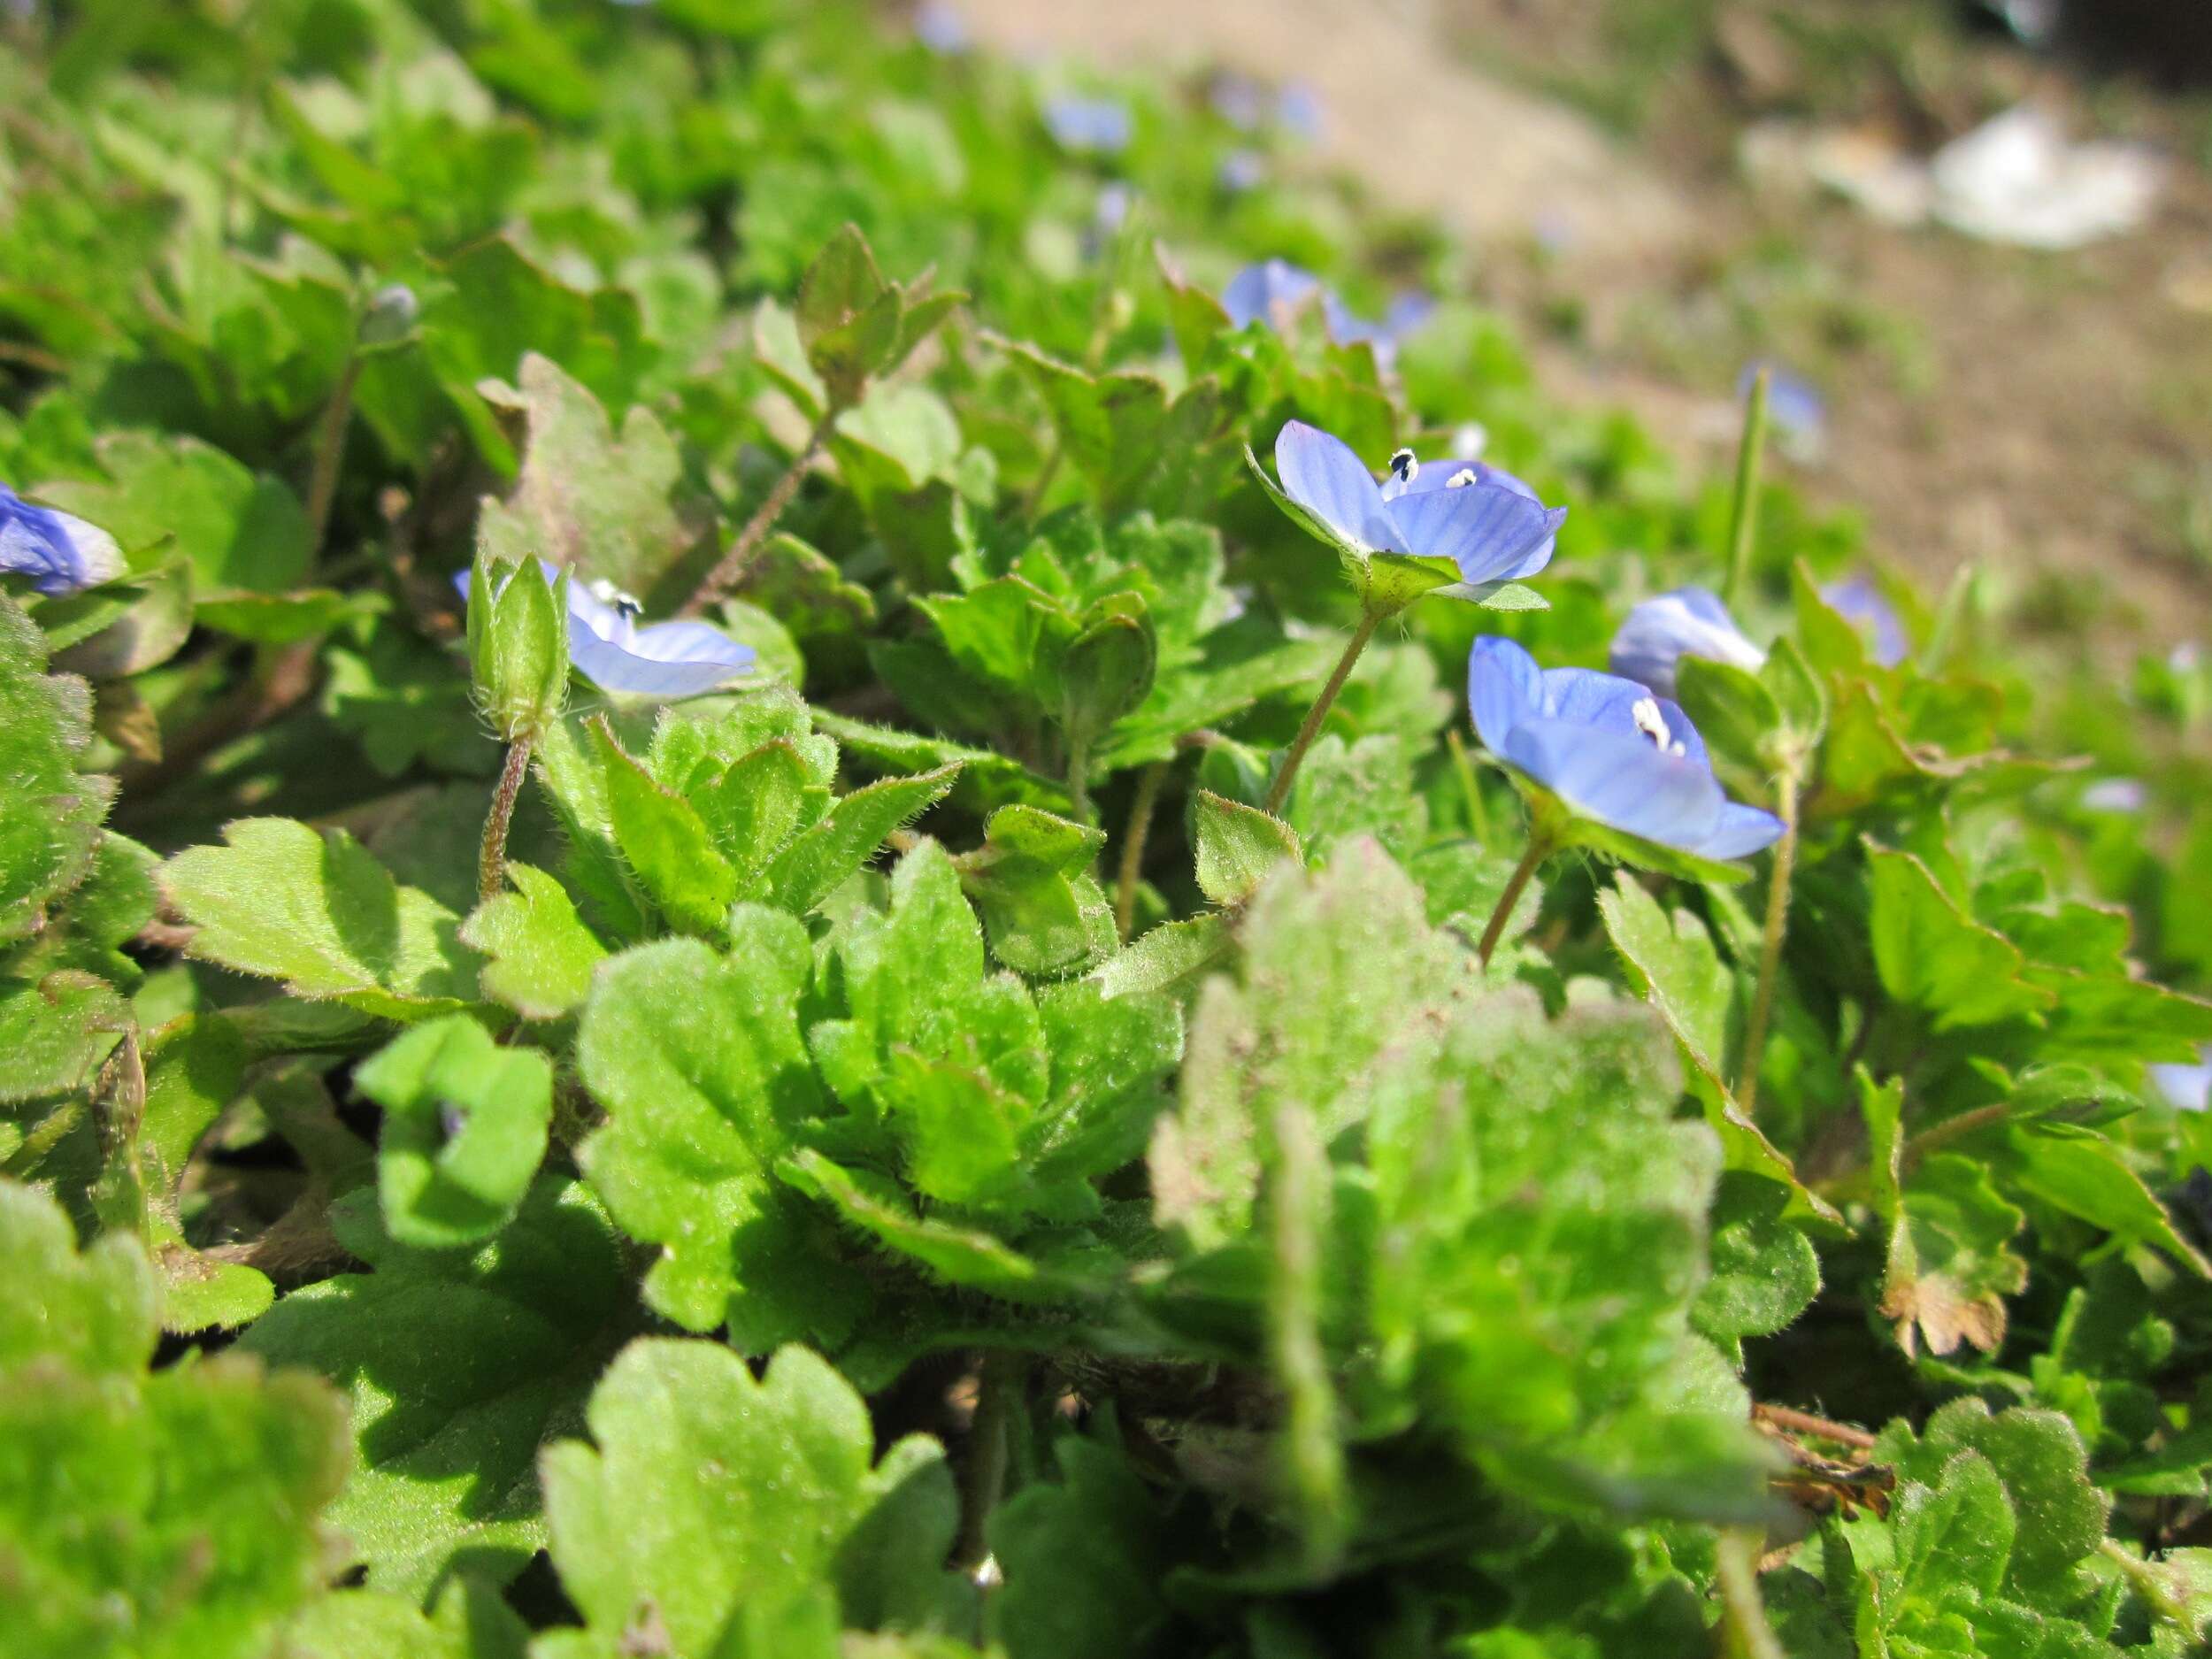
1742,831
1322,475
1503,688
1491,534
1861,603
1088,124
2187,1086
1348,329
672,659
1620,781
1689,622
1267,292
58,551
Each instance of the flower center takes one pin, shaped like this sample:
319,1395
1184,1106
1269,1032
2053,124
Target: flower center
607,594
1653,725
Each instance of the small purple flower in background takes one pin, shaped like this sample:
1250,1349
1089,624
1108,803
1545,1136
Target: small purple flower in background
1242,170
1271,292
2115,795
58,551
1238,99
1094,126
1795,406
666,661
1611,751
1298,107
1688,622
1860,603
1489,524
939,26
2188,1088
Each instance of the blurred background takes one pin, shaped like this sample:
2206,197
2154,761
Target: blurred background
1973,236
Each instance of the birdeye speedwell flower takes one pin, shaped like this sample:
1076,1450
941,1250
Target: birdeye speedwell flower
1688,622
665,660
58,551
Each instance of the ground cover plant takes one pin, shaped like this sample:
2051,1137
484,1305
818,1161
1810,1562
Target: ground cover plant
812,848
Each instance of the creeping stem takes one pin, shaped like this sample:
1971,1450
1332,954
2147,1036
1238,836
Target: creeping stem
330,449
1298,745
1133,839
1516,883
1778,924
491,861
1000,1390
1743,519
726,574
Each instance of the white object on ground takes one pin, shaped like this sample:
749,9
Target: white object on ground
2017,179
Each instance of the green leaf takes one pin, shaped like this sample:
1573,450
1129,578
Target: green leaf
2083,1174
1083,1559
1733,711
466,1620
697,1061
94,1313
615,507
49,816
1170,957
317,912
445,1469
540,957
664,842
1042,911
1123,429
239,530
960,1255
1764,1271
707,1493
848,315
1237,846
121,1490
2038,1458
1681,975
1339,969
54,1034
1933,956
816,864
465,1127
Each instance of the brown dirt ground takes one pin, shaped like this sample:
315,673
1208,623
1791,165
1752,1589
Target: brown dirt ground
2036,412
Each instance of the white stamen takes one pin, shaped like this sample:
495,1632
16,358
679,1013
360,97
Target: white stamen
1462,479
607,594
1653,725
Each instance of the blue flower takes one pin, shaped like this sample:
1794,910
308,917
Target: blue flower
1275,291
58,551
1795,406
2115,795
1610,752
1242,170
1271,292
667,661
1089,126
1239,100
1688,622
939,26
1298,107
1860,603
2187,1086
1486,522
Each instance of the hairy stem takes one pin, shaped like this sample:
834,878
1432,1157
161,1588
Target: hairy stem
1079,776
1516,883
1133,839
1470,786
731,571
1754,1040
1745,1633
1280,791
1001,1386
491,861
330,452
1805,1422
1743,519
